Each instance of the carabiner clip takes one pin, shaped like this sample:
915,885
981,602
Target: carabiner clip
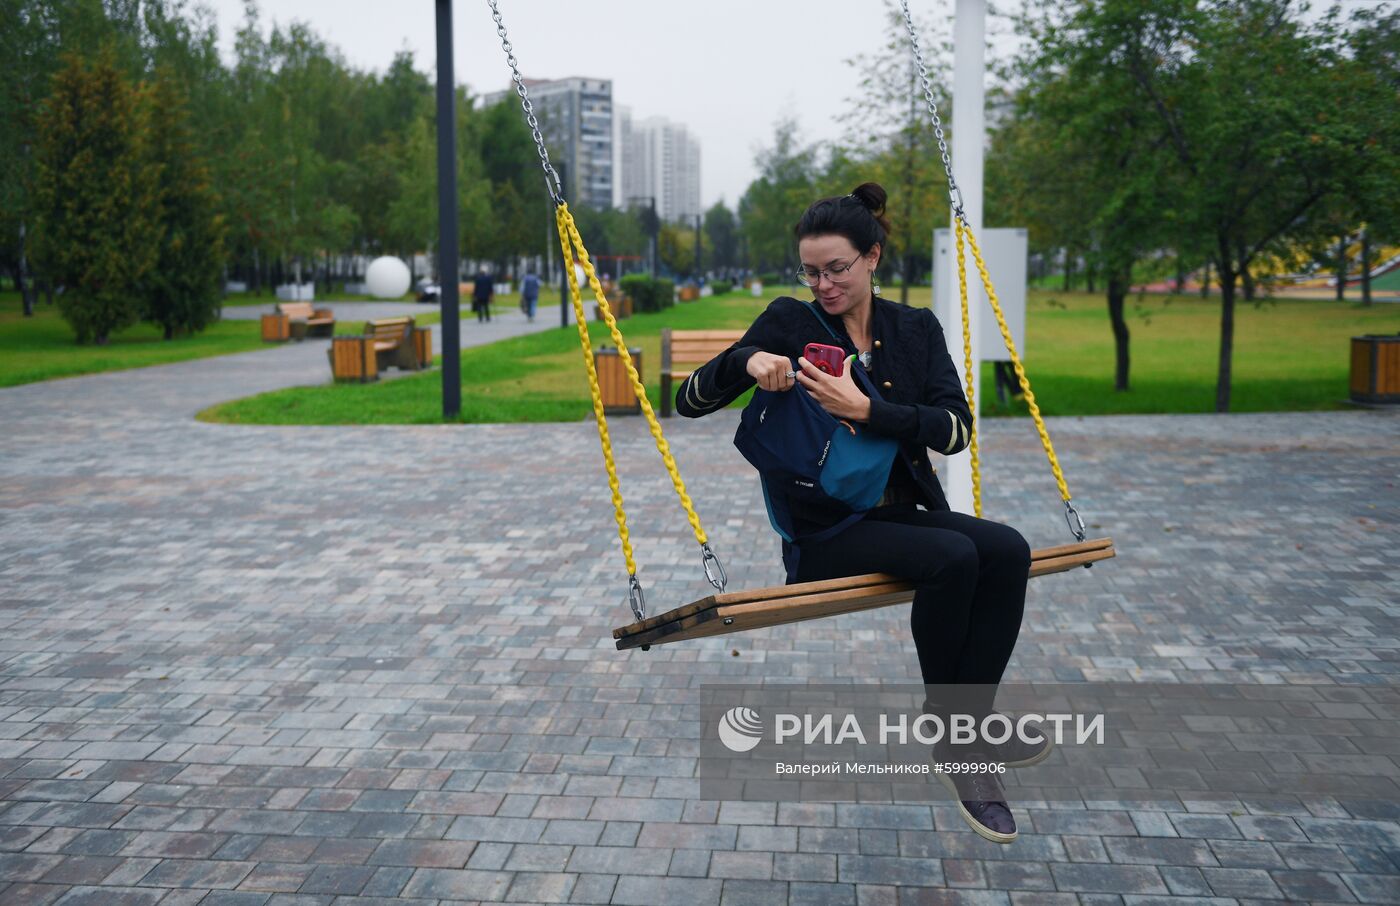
707,557
636,597
1076,525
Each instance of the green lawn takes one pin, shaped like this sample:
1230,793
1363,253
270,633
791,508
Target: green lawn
1289,355
42,348
537,377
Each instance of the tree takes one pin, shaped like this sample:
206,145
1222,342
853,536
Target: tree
1251,108
901,148
1087,156
773,202
504,204
182,292
96,215
722,231
676,248
34,33
1371,70
412,215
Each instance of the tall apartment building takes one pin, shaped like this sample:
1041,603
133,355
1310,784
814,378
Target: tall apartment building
576,120
660,159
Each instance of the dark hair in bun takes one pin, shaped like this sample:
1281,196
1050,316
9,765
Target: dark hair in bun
859,216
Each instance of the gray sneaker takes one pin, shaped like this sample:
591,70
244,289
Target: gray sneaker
982,803
1017,753
981,797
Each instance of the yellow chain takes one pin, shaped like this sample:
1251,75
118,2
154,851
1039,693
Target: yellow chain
568,228
1015,361
967,358
618,512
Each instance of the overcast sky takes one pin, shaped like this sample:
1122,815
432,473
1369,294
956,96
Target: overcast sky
727,69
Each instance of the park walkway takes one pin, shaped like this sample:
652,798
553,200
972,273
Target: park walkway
340,666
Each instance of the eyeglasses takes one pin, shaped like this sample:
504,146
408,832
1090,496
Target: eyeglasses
836,273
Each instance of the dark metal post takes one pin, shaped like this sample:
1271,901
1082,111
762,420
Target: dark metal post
655,230
447,217
564,300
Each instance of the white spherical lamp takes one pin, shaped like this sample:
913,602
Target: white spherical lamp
387,278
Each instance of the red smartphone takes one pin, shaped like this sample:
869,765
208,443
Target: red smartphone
831,359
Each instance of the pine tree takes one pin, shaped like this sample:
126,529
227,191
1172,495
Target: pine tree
182,292
96,230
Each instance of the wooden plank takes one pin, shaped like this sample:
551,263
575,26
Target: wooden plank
760,615
296,309
1059,550
679,344
1388,368
1360,366
809,600
730,335
684,355
1060,564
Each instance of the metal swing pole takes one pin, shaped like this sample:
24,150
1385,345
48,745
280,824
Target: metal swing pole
969,128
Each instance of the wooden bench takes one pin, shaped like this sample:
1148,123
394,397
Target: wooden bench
393,343
307,320
682,351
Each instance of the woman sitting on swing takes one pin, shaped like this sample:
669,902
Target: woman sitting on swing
970,574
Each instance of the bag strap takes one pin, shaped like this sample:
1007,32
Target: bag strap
818,315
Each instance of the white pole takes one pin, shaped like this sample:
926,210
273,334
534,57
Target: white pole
969,128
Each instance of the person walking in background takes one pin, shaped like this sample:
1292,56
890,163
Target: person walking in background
529,294
482,291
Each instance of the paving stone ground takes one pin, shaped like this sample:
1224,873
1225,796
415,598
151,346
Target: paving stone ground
257,666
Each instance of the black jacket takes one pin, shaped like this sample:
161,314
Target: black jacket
924,405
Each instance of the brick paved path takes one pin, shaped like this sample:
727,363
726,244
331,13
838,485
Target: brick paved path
295,666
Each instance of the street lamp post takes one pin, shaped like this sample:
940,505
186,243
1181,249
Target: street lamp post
697,249
652,224
447,217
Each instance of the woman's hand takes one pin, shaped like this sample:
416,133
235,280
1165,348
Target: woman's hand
838,395
771,371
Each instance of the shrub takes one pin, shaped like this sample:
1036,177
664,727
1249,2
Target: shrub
648,294
664,293
720,287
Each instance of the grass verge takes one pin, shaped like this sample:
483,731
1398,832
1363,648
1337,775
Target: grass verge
1289,355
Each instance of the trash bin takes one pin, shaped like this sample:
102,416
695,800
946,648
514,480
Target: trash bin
1375,369
276,328
613,383
353,359
423,345
621,308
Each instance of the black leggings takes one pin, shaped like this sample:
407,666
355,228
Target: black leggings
971,575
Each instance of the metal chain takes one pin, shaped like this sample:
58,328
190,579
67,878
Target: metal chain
954,193
556,189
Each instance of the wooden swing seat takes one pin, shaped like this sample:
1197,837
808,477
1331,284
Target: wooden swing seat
737,611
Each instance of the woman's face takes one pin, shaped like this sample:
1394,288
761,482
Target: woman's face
850,288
